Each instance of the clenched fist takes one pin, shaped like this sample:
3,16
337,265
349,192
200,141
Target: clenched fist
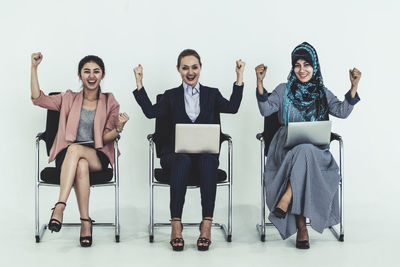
240,66
138,76
261,70
355,76
122,119
239,71
36,58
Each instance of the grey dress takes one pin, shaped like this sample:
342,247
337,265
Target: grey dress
312,170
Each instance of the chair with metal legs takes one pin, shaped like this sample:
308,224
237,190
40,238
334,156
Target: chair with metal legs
50,176
160,178
271,125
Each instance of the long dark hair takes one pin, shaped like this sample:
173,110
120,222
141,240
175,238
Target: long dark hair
95,59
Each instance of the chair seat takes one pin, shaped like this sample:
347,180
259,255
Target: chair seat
162,176
51,175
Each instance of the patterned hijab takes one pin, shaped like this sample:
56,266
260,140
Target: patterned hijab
309,99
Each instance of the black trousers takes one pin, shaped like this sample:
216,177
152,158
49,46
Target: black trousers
180,166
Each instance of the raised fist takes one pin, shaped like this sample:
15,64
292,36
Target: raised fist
36,59
240,66
261,70
355,76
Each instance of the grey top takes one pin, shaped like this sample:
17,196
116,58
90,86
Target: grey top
85,128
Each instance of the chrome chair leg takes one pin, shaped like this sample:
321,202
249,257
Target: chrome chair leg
261,227
230,177
151,189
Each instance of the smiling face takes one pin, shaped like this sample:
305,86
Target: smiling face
303,70
91,75
190,70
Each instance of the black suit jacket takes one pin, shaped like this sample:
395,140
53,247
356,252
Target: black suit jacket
172,107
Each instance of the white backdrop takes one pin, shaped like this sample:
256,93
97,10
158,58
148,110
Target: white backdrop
346,34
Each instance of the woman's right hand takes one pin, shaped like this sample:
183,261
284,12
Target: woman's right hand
138,76
36,58
261,70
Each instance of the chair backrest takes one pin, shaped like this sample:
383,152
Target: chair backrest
271,126
163,131
164,128
51,127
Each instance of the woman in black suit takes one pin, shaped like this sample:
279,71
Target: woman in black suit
190,102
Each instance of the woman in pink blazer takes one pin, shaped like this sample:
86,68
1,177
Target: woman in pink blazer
90,117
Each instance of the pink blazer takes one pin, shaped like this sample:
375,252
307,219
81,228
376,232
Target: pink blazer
69,105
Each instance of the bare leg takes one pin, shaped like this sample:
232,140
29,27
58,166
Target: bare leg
302,233
69,169
285,200
176,230
82,192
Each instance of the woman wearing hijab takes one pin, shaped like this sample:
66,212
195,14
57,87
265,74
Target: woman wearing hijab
302,181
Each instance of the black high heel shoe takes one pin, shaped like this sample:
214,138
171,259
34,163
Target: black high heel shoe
54,224
174,242
303,244
203,240
279,213
88,238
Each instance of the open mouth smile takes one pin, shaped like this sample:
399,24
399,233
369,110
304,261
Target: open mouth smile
91,82
191,77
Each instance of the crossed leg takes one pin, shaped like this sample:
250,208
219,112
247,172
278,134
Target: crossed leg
78,161
286,198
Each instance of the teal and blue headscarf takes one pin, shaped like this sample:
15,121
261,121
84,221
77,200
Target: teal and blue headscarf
308,98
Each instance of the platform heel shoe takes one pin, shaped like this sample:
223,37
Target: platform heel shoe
177,240
54,224
203,240
88,238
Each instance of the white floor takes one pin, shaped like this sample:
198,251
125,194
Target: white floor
366,244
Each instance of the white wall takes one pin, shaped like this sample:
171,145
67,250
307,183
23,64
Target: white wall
125,33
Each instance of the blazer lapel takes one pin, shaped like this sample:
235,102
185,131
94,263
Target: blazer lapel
100,120
73,118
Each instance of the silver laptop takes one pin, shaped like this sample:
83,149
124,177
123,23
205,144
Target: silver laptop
308,132
197,138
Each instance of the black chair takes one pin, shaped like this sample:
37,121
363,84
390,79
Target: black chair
50,176
271,126
159,177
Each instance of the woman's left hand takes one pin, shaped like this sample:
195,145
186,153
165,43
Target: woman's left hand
355,76
239,71
240,66
122,119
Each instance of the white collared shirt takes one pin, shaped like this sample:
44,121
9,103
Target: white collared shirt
192,100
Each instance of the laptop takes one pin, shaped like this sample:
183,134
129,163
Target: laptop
308,132
197,138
